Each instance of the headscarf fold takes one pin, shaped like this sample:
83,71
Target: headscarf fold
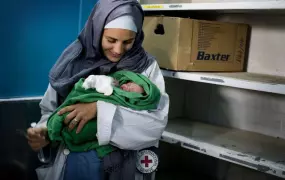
84,56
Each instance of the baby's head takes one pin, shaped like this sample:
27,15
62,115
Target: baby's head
132,87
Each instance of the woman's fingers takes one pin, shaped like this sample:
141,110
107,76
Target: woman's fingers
81,114
70,117
33,134
36,137
36,134
81,125
40,130
66,109
75,121
35,145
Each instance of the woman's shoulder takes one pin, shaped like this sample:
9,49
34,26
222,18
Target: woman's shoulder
153,67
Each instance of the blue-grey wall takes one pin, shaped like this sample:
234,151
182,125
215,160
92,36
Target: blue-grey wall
34,33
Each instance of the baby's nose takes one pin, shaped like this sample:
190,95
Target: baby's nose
125,87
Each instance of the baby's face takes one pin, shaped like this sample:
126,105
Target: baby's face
132,87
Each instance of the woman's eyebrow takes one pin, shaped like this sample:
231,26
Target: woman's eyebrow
111,38
108,37
130,39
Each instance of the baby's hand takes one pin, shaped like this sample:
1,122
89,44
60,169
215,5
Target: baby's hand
132,87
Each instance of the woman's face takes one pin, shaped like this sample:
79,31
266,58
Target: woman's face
116,42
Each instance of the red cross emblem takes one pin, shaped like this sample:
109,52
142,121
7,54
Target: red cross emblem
146,161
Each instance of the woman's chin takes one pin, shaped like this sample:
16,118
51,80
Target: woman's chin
113,59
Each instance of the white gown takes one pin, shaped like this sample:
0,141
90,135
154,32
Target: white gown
117,125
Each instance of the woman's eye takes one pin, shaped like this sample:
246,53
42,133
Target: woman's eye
111,40
128,42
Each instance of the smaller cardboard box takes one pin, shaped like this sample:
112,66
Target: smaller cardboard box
185,44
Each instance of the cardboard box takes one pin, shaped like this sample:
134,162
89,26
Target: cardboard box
195,45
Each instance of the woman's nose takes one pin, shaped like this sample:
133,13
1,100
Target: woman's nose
118,48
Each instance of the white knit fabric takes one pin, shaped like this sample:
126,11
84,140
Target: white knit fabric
102,84
123,22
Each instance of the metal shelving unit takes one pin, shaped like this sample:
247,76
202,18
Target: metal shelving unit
243,80
228,6
252,150
248,149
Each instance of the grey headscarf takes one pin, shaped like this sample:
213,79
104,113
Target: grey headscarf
84,57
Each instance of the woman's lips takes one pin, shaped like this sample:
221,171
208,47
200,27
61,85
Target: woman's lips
115,55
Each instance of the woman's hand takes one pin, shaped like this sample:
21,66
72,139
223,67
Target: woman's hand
79,114
37,138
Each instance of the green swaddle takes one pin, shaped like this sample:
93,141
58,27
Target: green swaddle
86,140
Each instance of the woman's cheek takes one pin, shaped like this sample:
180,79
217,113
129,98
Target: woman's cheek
106,45
129,46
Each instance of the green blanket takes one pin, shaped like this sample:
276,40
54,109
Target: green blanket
86,140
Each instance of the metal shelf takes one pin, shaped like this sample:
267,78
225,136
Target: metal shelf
252,150
226,6
14,99
243,80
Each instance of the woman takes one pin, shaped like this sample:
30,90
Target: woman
110,41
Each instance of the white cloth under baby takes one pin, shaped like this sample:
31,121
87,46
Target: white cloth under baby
102,84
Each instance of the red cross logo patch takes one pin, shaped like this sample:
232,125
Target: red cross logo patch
147,161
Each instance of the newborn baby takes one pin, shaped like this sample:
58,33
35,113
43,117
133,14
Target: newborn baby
104,84
132,87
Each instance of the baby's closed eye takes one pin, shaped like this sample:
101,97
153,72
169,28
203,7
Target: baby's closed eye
132,87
